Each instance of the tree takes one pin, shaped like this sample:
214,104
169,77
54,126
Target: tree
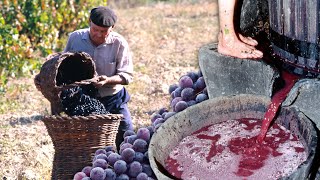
32,29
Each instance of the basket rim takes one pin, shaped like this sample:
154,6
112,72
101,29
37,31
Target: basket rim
83,118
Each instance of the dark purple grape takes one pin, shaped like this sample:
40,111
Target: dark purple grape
180,106
121,144
110,174
142,176
128,155
185,82
109,152
87,170
193,76
125,140
177,92
131,139
143,133
100,163
97,173
156,127
169,114
175,101
124,146
162,110
120,167
100,156
201,97
128,133
109,148
100,151
173,87
159,120
79,176
140,145
150,128
187,94
146,157
139,157
200,84
123,177
172,95
135,168
146,168
155,116
113,157
191,103
163,114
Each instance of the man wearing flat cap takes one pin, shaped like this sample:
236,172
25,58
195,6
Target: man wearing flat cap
111,54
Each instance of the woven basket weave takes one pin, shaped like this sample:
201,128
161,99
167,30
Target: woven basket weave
61,69
76,138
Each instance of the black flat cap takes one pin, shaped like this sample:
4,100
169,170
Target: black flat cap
103,16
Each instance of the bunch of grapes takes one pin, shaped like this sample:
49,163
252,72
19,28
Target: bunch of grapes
131,162
81,101
190,90
159,117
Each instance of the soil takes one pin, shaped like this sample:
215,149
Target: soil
164,39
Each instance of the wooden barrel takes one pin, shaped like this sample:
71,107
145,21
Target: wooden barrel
294,33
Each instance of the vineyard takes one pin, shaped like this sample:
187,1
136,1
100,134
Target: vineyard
164,38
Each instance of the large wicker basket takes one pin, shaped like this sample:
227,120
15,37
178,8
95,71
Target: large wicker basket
76,139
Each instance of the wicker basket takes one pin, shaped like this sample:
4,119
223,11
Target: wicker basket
61,69
76,139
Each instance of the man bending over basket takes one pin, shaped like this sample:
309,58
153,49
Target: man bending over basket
111,54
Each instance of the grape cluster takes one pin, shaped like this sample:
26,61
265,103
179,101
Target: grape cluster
190,90
131,162
81,101
159,117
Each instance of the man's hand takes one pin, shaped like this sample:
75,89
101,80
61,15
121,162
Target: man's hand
101,81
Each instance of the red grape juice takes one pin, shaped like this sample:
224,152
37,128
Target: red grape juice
276,101
228,150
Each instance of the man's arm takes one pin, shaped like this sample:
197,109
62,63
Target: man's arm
124,63
105,80
124,68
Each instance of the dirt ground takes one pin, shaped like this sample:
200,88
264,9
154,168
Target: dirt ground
164,39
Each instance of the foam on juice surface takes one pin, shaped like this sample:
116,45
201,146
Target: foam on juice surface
228,150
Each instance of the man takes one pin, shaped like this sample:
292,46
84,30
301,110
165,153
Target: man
230,42
111,54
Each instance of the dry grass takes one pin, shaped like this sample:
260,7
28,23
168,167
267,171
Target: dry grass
164,38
